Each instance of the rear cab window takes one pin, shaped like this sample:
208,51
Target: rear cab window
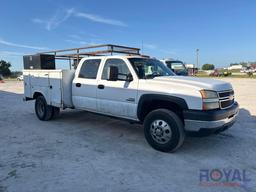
89,69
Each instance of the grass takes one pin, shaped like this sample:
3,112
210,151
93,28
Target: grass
10,79
241,75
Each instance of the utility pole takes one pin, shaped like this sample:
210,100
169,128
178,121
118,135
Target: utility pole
142,47
197,58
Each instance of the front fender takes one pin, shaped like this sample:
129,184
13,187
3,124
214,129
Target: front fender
148,98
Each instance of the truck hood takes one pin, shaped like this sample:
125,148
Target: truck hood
196,82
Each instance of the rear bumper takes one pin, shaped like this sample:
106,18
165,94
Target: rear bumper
196,120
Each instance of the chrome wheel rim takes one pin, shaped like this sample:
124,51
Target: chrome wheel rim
160,131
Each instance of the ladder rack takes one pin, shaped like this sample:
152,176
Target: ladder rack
95,50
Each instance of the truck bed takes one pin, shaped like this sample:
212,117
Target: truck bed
55,85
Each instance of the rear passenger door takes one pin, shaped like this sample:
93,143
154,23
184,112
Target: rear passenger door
84,86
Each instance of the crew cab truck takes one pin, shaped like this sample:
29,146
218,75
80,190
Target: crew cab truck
139,89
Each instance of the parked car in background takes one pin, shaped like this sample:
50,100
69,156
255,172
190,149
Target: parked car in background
192,69
248,70
20,78
216,73
227,73
176,66
243,70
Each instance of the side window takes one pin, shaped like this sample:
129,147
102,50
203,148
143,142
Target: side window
123,70
89,69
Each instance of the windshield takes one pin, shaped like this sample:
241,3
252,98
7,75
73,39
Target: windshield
149,68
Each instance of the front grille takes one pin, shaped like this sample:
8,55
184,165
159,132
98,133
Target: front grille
226,98
226,93
227,103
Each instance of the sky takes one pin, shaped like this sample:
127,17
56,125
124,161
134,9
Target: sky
224,31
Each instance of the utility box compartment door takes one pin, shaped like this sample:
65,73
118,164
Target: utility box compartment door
27,85
55,88
40,79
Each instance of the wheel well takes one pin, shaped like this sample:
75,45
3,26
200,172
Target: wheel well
154,104
37,94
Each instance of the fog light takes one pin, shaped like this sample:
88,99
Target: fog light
211,105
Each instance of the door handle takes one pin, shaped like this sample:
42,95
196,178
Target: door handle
130,99
101,86
78,84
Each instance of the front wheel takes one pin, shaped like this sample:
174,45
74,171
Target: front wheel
164,130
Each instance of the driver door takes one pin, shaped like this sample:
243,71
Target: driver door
117,98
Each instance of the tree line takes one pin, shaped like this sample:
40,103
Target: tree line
5,68
209,66
244,64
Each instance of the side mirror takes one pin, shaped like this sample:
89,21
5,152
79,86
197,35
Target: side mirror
112,73
129,77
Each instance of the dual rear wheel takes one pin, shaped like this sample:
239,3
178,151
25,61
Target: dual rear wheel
45,112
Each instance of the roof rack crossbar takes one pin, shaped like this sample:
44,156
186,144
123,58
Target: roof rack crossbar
106,49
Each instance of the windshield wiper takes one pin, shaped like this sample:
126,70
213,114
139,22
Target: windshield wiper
156,75
152,76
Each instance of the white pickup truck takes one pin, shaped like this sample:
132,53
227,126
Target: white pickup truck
138,89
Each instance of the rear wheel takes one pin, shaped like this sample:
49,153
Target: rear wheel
55,112
164,130
44,112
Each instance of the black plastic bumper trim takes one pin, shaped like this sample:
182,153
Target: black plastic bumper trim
212,115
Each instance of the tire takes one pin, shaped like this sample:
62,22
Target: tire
55,112
164,130
43,111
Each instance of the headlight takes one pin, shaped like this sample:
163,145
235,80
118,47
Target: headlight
210,100
206,94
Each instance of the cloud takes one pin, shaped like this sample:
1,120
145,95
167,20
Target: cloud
149,46
76,42
74,36
39,21
82,34
82,39
156,48
169,52
59,17
99,19
3,42
83,43
11,53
